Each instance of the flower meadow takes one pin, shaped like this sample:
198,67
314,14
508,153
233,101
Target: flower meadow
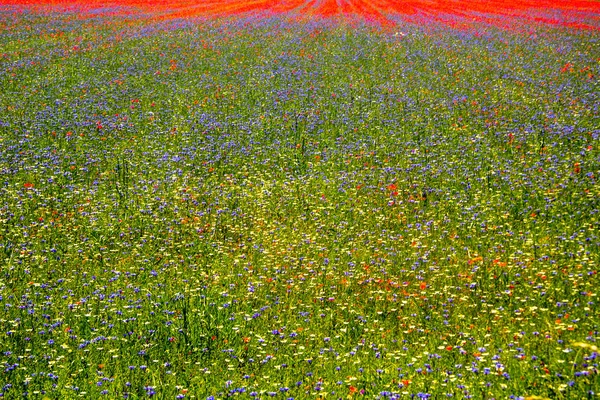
299,200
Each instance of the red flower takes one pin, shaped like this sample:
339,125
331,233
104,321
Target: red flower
28,185
567,67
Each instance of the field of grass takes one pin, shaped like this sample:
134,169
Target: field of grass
268,206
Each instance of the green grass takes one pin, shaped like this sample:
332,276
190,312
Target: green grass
191,208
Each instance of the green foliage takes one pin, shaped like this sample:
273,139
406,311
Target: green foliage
234,206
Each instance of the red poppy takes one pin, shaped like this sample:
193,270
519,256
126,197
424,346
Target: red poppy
567,67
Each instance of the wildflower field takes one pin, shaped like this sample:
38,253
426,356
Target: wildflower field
299,199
